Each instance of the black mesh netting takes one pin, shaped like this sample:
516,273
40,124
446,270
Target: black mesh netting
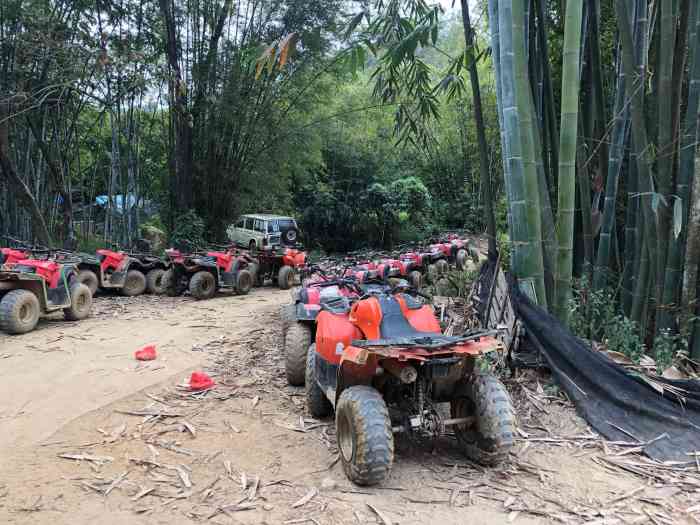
610,397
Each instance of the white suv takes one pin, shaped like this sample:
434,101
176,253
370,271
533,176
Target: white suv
260,230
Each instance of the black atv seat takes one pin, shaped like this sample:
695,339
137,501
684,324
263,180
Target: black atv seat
394,324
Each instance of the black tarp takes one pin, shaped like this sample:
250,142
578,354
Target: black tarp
610,397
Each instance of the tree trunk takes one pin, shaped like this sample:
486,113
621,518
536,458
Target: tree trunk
16,185
181,117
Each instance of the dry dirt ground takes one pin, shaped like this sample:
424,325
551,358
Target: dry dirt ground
88,435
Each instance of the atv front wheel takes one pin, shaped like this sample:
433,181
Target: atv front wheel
244,282
203,285
490,436
285,277
365,439
415,278
316,400
80,303
89,279
155,283
19,312
134,284
297,340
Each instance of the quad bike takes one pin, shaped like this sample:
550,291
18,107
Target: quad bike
383,365
17,251
299,318
456,251
30,288
204,273
324,291
130,274
281,264
9,256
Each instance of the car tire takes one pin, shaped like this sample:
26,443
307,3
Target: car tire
415,279
155,281
80,303
244,282
489,439
89,279
365,438
285,277
134,284
19,312
316,401
172,287
203,285
297,340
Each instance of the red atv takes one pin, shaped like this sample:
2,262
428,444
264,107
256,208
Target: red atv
10,256
323,291
131,274
30,288
383,365
17,250
206,273
282,265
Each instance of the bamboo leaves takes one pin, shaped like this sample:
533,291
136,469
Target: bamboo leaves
276,54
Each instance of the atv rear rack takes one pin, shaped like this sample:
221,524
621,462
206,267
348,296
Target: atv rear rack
429,341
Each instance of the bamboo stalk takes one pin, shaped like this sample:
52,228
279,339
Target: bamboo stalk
619,135
496,58
688,138
567,157
665,148
640,141
531,264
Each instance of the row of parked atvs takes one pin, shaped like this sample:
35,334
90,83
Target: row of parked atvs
36,281
367,345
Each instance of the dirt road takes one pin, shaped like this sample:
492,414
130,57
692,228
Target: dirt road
246,452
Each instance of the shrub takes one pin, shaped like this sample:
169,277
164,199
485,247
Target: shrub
188,230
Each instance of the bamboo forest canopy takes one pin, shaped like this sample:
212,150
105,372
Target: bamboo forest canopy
566,130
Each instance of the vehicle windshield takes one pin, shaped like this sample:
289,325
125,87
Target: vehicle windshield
285,224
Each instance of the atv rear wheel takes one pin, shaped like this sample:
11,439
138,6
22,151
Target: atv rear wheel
365,439
134,284
89,279
19,312
155,283
316,400
297,340
254,268
173,287
244,282
489,438
415,278
203,285
80,303
285,277
433,273
461,259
